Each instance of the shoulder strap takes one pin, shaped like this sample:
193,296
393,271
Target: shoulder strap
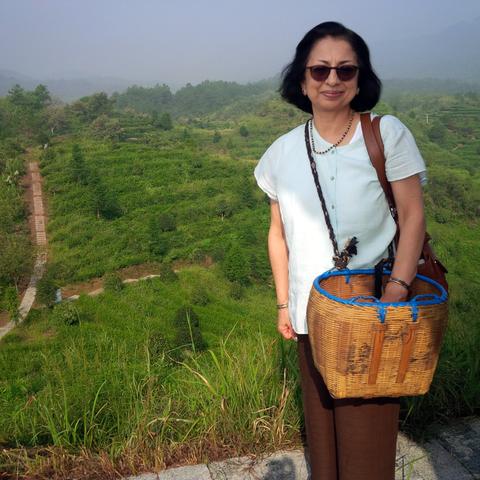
374,144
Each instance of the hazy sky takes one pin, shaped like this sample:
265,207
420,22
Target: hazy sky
191,40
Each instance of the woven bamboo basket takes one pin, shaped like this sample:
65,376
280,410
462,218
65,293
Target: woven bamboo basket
366,348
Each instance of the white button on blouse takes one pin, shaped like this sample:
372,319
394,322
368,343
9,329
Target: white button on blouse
357,203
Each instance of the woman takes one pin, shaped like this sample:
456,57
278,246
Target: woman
331,77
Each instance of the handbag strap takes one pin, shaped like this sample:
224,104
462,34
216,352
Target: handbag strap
374,144
340,259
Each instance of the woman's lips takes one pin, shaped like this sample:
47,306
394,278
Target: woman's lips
331,94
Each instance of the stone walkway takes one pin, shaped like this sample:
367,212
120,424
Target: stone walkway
453,454
40,236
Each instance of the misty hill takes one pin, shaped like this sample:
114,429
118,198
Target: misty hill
191,100
67,89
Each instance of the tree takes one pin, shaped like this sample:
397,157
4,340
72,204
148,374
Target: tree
158,243
86,109
165,121
246,194
106,127
244,131
41,97
104,202
437,133
236,265
17,96
223,209
78,167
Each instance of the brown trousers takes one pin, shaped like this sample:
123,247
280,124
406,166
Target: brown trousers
347,439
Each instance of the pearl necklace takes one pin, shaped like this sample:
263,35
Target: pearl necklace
336,143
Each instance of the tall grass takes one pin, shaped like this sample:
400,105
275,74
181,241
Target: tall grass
92,390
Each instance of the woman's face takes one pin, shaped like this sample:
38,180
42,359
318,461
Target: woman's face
331,94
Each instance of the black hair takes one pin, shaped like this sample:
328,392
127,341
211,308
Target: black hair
294,73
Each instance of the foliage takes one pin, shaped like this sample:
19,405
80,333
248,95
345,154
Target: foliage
112,282
187,330
47,287
66,313
16,257
78,167
166,222
237,290
86,109
167,273
235,265
200,295
186,198
164,121
106,128
158,346
11,303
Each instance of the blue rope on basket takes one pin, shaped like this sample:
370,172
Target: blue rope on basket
414,303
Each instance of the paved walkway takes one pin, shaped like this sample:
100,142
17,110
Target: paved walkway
38,222
453,454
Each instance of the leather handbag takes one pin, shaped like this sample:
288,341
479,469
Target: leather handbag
429,265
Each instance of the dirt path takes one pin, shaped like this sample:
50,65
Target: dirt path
37,221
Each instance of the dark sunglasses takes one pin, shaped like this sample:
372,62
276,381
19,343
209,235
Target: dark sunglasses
344,73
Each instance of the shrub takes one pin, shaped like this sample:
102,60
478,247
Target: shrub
166,273
11,302
261,269
237,291
112,282
166,222
66,313
159,347
236,266
47,288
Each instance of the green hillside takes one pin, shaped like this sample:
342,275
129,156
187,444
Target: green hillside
189,364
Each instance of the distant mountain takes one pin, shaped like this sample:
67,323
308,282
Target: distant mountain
451,53
9,78
67,89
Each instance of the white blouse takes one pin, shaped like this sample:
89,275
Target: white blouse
355,200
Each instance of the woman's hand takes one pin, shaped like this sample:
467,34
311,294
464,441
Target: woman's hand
284,325
394,293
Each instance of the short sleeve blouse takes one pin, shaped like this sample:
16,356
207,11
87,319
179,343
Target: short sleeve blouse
354,197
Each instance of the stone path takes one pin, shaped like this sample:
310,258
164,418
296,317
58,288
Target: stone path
39,234
453,454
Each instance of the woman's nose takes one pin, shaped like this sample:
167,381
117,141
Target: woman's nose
332,78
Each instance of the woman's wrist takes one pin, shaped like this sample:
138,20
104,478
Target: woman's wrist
394,293
400,282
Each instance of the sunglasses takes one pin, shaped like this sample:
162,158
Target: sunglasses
321,72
